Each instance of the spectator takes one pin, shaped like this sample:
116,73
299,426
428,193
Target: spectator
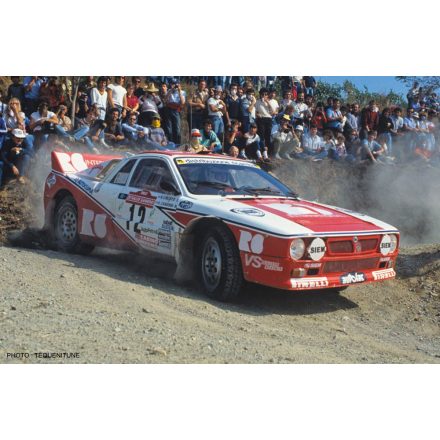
195,146
233,137
310,84
216,110
64,124
156,136
353,119
339,152
385,129
319,119
209,138
132,100
285,141
88,84
16,90
334,116
197,106
3,129
369,119
135,134
234,152
51,93
15,118
274,103
14,157
300,110
353,144
248,109
372,151
253,145
42,124
138,89
174,102
32,86
233,103
287,100
113,135
411,128
413,94
313,146
264,113
81,104
83,131
98,97
149,105
117,95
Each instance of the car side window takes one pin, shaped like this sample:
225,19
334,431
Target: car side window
149,174
122,175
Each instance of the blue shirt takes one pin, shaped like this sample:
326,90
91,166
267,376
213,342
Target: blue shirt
331,113
34,92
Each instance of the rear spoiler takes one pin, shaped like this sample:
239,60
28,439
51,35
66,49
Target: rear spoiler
68,163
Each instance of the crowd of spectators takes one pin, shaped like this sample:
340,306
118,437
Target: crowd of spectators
255,118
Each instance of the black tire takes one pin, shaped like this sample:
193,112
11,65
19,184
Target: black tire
218,265
65,228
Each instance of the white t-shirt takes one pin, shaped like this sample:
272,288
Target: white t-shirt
275,105
263,110
118,93
100,101
216,103
35,117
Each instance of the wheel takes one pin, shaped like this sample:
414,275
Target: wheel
219,265
65,228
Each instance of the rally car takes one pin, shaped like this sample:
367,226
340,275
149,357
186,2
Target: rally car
223,220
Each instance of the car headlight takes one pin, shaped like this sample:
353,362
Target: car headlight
388,244
317,249
297,248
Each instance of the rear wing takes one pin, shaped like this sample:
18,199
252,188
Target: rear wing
68,163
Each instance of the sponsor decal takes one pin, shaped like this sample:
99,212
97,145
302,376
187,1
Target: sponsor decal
122,196
312,265
213,161
353,277
383,274
164,238
251,243
93,224
166,201
385,259
317,249
146,240
385,245
308,283
185,204
144,198
167,225
51,180
259,263
87,188
249,211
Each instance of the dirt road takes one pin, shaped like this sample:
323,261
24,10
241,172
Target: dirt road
120,308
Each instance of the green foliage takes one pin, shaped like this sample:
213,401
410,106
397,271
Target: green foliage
427,82
349,93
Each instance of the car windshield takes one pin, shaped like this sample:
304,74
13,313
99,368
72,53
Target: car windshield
228,177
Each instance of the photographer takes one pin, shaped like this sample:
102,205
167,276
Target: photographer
285,140
174,102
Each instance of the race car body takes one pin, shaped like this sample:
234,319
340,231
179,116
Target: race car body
224,219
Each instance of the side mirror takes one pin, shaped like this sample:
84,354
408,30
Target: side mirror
170,187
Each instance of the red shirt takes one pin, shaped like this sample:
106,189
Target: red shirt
132,101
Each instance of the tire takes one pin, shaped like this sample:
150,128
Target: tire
218,263
65,228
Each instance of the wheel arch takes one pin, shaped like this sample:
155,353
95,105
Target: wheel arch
54,202
190,239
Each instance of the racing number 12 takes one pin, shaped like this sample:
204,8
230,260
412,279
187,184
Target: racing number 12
141,214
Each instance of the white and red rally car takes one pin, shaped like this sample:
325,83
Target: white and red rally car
223,220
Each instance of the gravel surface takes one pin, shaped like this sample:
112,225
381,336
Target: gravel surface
122,308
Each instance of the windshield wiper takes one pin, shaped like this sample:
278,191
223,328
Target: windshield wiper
266,190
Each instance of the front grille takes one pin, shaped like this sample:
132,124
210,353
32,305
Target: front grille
350,266
341,247
369,244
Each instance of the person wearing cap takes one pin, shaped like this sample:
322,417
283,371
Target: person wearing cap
216,110
156,138
149,105
195,146
174,102
285,140
209,138
14,157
